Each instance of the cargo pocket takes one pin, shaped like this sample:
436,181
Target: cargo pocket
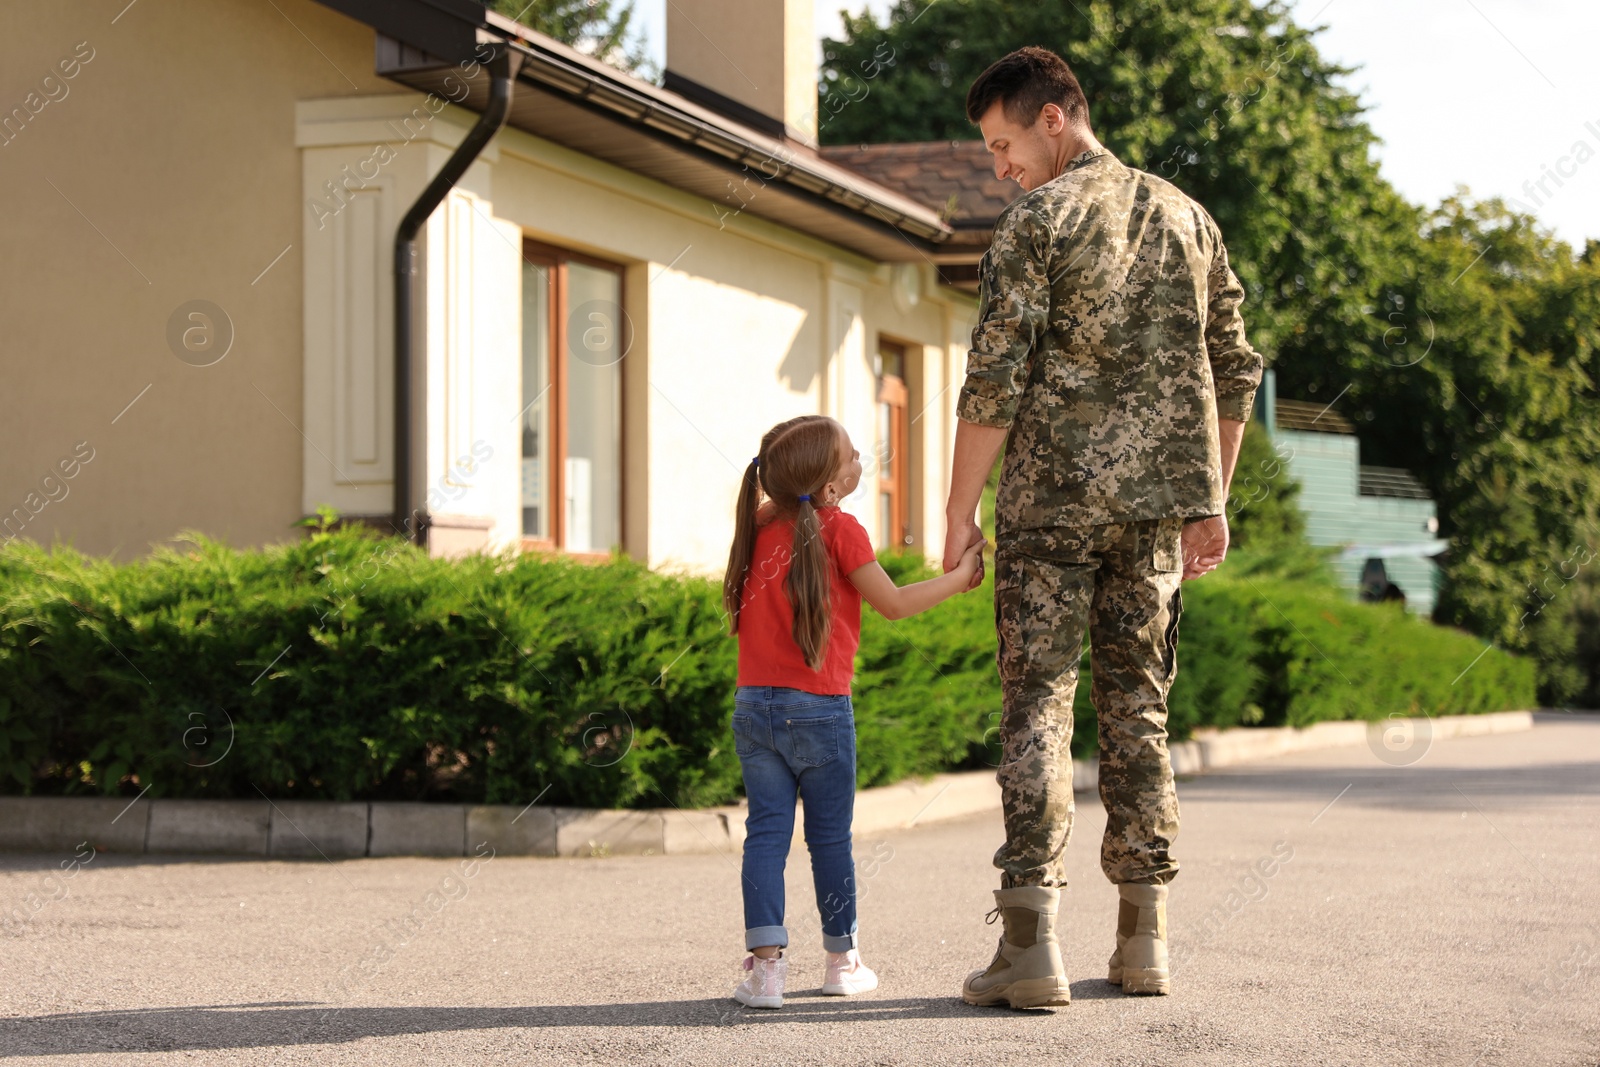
1167,552
815,739
1008,654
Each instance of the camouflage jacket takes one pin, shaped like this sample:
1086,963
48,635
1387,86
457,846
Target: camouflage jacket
1109,343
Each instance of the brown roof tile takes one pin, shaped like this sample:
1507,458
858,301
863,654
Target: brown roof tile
929,172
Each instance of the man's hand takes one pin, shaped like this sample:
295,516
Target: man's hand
957,538
976,449
1205,544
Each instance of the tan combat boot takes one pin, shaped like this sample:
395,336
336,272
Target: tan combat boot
1139,963
1027,971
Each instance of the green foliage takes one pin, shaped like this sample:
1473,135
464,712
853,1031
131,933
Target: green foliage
601,28
1322,659
1580,615
348,667
1487,391
926,687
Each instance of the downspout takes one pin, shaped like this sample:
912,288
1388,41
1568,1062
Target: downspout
502,66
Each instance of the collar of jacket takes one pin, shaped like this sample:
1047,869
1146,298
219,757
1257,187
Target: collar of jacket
1088,155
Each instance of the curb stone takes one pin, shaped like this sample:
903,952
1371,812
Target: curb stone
603,832
329,829
313,828
229,827
415,828
61,824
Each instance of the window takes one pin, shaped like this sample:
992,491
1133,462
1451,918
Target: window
574,335
894,447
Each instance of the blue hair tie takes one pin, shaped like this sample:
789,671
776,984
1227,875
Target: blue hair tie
805,496
755,461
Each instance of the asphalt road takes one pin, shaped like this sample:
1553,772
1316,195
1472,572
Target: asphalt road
1444,912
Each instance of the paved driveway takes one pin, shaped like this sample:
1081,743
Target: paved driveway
1443,912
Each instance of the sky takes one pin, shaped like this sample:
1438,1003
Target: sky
1498,96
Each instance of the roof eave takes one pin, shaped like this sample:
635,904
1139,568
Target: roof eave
689,147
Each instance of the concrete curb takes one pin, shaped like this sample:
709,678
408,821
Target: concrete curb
331,829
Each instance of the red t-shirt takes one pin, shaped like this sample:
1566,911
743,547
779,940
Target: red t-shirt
767,652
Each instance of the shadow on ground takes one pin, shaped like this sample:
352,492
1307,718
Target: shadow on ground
287,1023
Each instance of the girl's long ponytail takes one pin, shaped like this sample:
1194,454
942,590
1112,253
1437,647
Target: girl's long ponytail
810,585
744,542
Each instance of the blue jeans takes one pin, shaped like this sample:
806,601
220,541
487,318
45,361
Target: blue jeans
790,742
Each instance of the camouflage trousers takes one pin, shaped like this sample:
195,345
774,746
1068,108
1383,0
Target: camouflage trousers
1120,583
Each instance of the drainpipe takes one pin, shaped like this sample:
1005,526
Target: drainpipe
502,67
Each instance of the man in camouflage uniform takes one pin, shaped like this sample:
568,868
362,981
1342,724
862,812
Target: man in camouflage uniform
1110,360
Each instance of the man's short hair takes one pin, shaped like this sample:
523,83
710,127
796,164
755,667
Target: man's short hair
1024,82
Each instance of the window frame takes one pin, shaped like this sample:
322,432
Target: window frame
555,259
895,390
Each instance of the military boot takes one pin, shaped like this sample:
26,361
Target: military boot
1027,971
1139,963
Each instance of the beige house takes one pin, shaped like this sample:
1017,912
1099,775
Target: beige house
624,288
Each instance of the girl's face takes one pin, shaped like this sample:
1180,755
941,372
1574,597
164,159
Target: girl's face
847,475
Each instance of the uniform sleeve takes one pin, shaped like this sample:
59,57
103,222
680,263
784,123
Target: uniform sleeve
1013,311
1235,366
849,543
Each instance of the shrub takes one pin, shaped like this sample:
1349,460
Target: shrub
348,666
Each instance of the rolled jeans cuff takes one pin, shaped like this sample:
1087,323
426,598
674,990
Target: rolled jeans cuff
839,942
762,936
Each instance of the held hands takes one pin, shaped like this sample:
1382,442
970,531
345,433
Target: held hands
1204,543
958,537
970,566
963,546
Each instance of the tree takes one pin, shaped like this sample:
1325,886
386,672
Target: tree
599,27
1488,392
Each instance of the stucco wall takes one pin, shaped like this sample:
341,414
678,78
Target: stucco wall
167,173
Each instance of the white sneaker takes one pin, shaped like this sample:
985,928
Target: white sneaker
764,987
847,975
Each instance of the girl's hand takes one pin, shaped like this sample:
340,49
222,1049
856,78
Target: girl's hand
971,565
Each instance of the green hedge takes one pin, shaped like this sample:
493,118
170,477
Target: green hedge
1313,657
351,667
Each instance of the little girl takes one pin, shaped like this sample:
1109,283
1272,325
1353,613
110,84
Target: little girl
798,571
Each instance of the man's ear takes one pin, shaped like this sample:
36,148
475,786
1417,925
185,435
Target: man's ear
1054,119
